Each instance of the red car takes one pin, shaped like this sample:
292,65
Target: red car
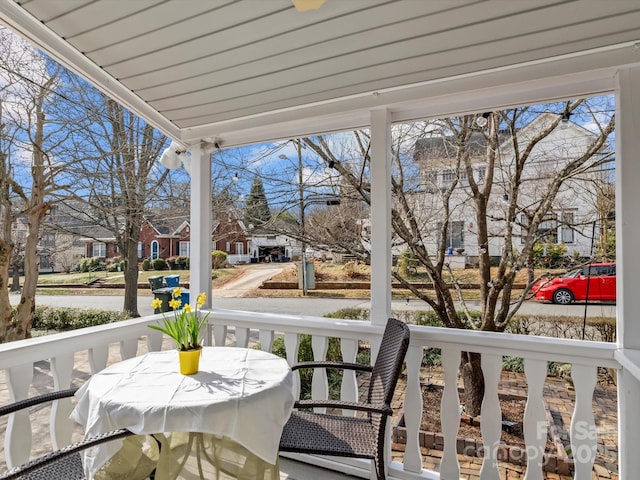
598,278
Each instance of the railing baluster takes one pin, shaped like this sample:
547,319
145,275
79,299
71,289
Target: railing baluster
154,341
220,335
319,382
291,346
349,387
583,428
491,416
61,428
413,410
266,339
535,419
128,348
17,439
98,357
242,337
450,414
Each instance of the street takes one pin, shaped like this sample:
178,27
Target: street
316,307
231,296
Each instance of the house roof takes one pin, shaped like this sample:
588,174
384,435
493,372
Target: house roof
245,71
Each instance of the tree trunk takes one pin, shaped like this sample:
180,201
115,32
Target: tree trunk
15,270
27,306
473,380
9,330
131,279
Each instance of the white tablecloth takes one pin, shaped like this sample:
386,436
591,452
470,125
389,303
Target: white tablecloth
242,394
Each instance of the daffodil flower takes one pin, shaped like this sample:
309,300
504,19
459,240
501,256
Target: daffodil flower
184,329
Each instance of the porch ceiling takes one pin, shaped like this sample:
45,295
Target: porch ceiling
204,69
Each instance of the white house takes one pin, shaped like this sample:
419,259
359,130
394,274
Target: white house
574,211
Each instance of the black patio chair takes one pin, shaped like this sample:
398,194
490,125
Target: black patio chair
62,464
359,437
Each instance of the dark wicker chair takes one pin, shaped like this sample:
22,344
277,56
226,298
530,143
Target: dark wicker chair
62,464
360,437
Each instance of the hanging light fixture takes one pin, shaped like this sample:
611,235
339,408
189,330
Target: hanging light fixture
304,5
174,156
482,120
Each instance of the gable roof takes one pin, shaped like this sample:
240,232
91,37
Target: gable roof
247,71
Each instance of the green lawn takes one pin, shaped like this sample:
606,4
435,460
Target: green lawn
118,277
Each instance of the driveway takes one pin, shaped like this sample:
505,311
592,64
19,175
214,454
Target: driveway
251,278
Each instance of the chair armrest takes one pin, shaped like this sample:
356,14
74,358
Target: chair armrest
23,470
382,409
336,365
38,399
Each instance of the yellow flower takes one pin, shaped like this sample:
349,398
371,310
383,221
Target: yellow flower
201,299
186,325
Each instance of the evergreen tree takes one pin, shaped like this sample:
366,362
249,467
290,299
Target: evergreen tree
256,211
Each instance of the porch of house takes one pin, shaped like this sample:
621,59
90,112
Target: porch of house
56,361
473,58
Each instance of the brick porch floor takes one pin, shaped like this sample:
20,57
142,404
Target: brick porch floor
559,395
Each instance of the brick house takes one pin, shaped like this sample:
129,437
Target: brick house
166,238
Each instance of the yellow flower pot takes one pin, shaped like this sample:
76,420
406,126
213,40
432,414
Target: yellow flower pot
189,361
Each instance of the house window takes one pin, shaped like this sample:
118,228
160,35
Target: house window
568,234
154,250
99,250
448,176
239,248
481,173
431,182
48,240
524,227
548,230
183,249
140,249
228,249
455,234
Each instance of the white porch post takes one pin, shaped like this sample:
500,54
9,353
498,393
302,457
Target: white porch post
380,216
200,243
628,261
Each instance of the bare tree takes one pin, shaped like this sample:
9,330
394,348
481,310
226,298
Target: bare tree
119,176
510,200
29,170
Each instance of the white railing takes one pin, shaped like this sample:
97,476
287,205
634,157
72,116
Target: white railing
73,356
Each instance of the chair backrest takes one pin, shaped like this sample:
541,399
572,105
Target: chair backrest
388,364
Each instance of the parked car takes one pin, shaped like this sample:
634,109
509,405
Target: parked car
598,278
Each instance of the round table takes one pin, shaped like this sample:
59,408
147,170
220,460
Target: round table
241,395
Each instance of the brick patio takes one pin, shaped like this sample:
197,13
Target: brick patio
559,395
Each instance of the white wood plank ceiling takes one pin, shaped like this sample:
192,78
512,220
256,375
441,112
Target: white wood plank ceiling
196,68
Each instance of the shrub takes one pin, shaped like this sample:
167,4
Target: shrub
146,265
350,314
352,270
182,263
159,264
218,259
549,255
171,263
64,319
90,264
407,263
